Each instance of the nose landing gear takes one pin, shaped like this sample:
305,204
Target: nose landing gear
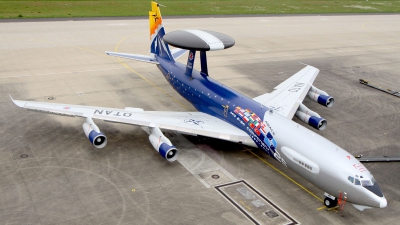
331,201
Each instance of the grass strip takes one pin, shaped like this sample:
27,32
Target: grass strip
100,8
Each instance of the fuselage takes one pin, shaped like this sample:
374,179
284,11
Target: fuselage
315,158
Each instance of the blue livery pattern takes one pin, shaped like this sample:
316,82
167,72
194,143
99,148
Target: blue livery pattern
208,95
93,138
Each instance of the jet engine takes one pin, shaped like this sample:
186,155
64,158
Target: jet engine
320,96
162,144
92,132
310,117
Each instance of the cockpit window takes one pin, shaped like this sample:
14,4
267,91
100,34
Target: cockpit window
360,180
366,182
351,179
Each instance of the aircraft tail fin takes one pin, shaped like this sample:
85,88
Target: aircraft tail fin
157,45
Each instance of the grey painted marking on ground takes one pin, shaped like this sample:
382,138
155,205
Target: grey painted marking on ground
198,163
202,166
254,205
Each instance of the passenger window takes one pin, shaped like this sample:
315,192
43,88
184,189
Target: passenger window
351,179
357,182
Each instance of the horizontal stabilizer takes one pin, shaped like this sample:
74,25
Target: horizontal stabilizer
178,52
142,58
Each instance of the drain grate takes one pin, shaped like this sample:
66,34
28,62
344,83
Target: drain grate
50,98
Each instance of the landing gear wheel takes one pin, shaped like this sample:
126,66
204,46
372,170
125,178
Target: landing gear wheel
328,202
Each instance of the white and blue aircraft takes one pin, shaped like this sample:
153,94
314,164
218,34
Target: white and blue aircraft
264,121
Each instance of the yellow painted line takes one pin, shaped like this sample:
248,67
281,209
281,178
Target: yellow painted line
144,78
376,33
154,85
84,49
123,39
245,205
117,59
334,209
283,174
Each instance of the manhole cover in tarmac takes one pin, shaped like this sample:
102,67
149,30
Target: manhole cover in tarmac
271,214
24,156
215,176
50,98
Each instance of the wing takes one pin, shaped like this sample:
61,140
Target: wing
194,123
287,96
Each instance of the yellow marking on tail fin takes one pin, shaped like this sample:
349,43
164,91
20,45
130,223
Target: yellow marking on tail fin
155,19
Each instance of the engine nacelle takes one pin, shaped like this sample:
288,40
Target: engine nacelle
310,117
92,132
320,96
162,144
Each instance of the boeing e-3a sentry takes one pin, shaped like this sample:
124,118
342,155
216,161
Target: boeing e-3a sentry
264,121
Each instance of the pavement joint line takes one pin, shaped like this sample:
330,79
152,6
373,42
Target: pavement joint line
283,174
144,78
376,33
241,208
68,72
124,64
84,49
300,54
49,74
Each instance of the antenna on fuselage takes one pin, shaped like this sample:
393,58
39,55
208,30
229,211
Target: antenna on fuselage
198,40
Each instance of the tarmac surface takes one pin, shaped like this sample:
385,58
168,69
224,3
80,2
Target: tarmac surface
50,173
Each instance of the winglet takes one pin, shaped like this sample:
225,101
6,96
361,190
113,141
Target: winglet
18,103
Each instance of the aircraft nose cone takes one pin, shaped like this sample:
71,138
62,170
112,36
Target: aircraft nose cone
383,203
